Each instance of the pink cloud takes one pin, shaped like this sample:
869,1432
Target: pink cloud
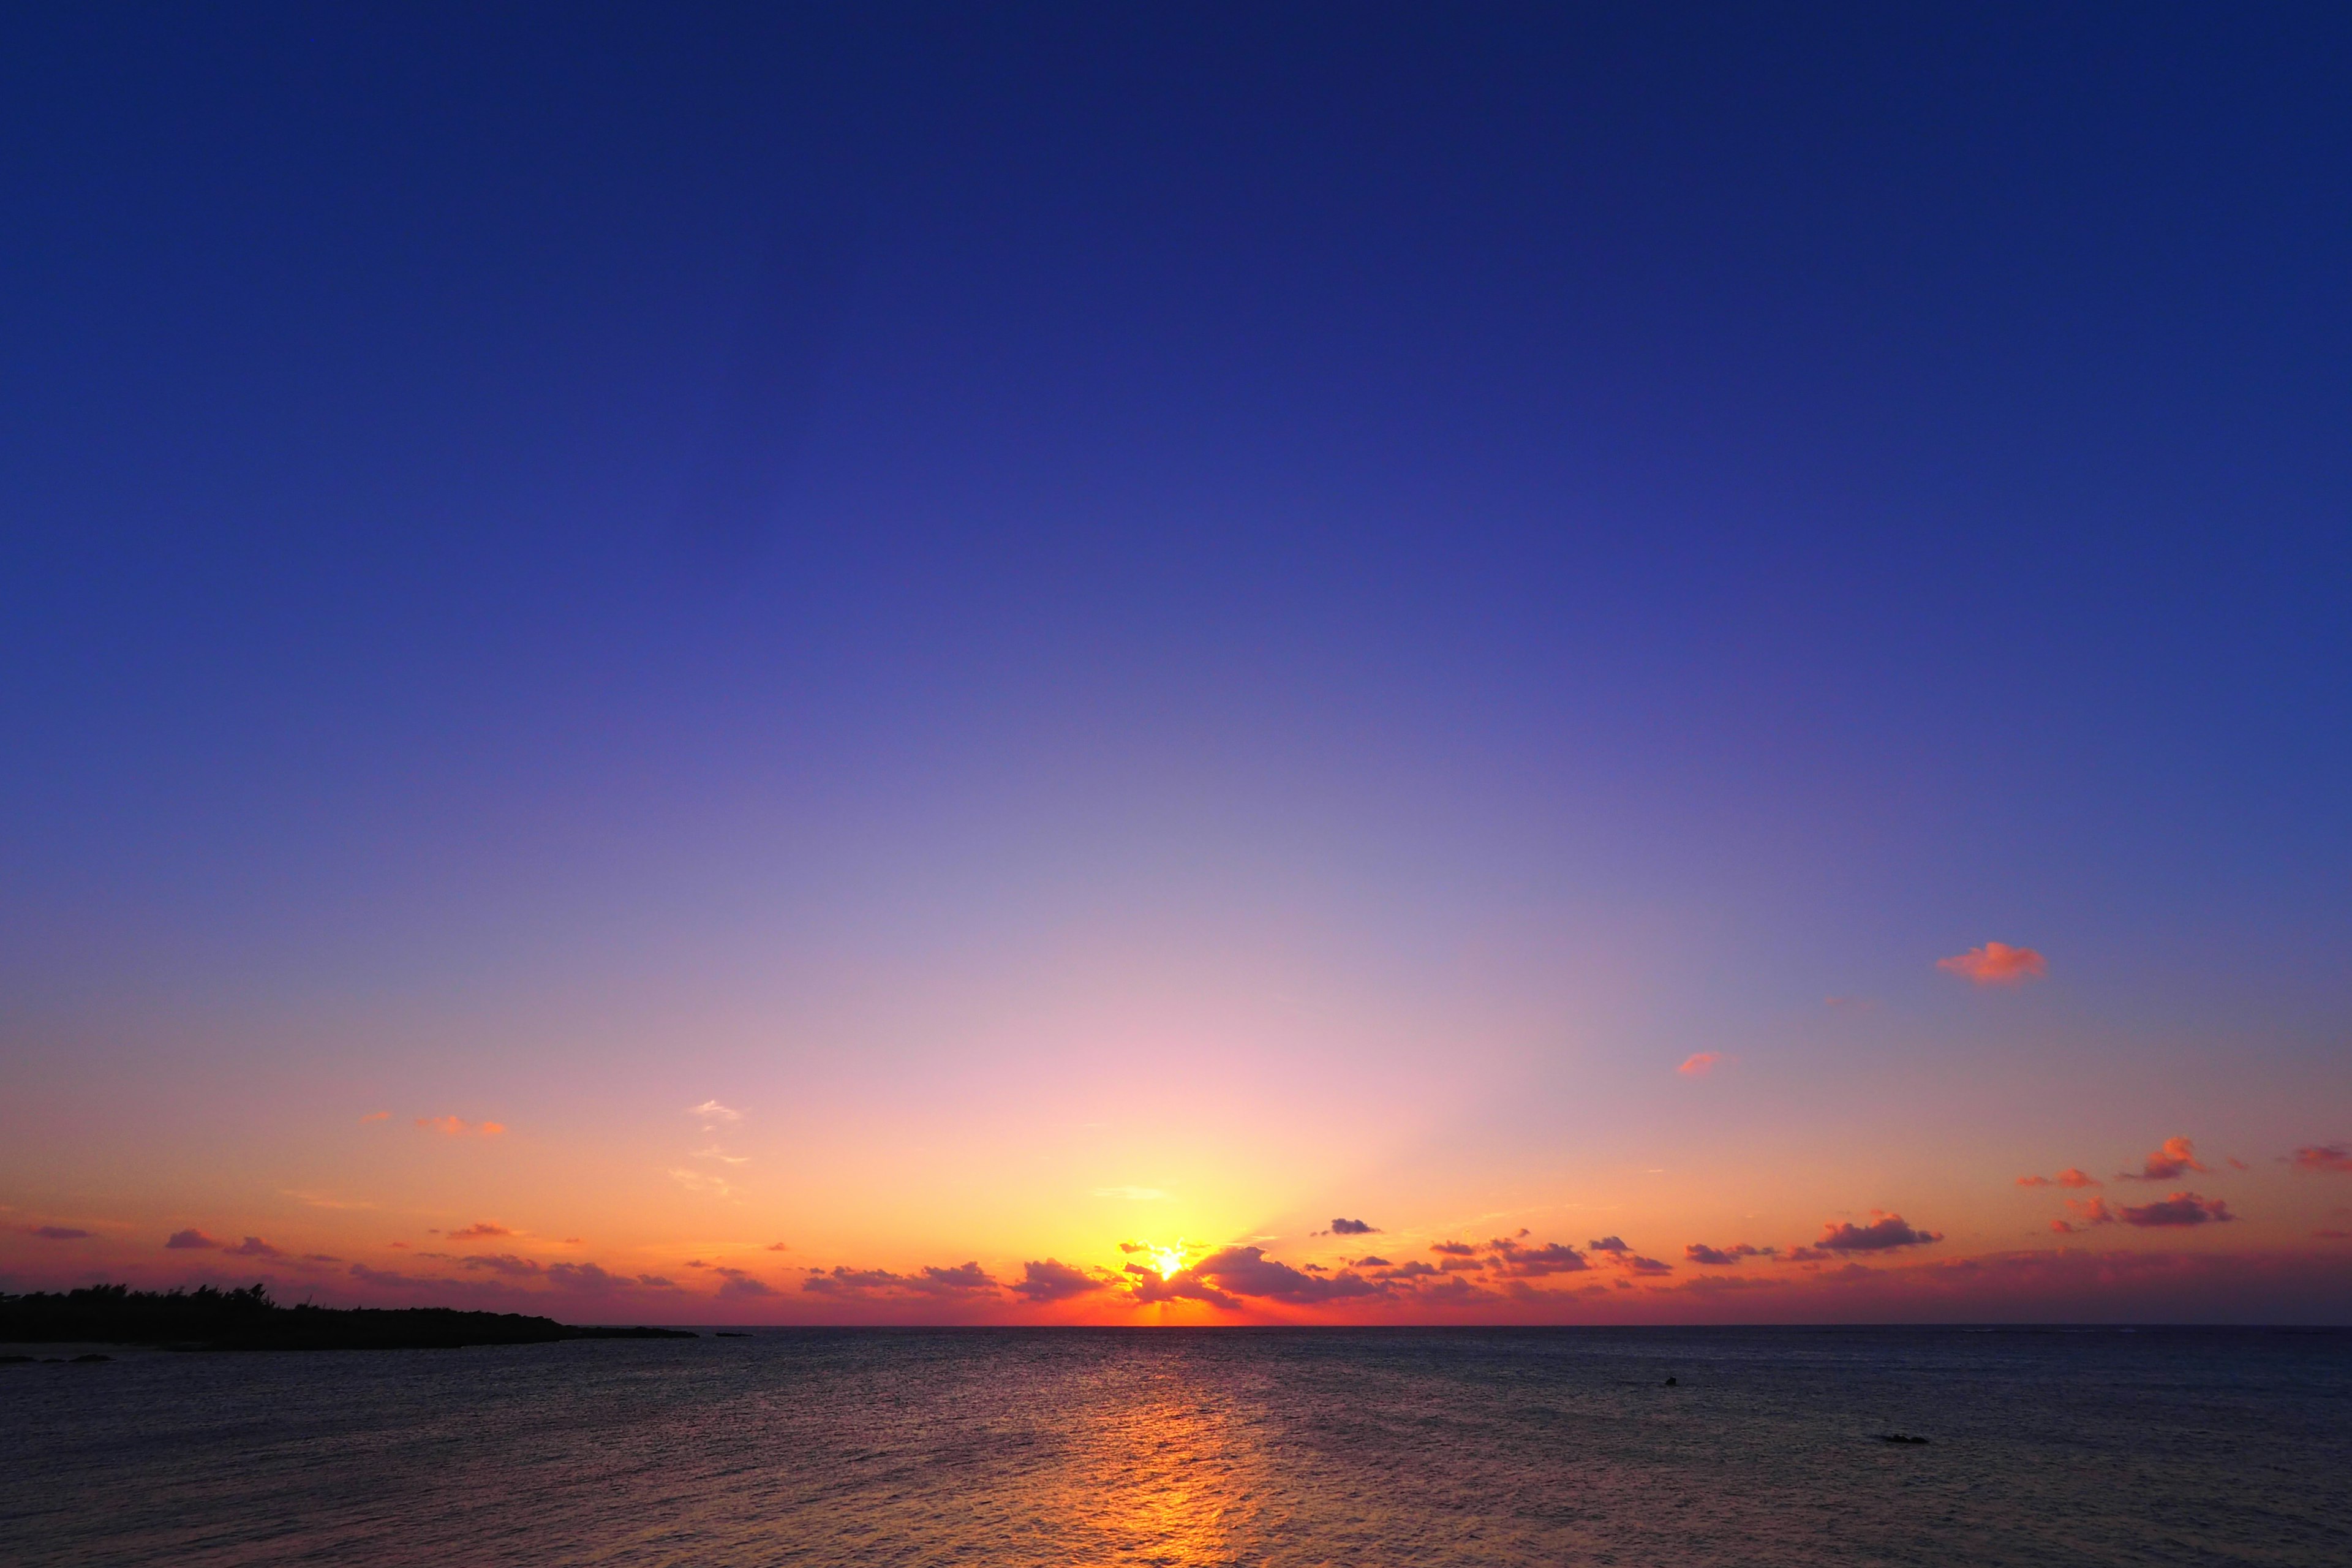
2177,1209
2167,1163
1699,1064
2317,1159
2069,1177
1996,963
377,1116
189,1239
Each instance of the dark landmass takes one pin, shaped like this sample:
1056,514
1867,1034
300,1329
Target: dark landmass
247,1320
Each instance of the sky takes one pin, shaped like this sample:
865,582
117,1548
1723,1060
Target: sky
1179,664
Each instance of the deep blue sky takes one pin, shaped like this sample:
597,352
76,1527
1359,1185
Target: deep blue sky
506,506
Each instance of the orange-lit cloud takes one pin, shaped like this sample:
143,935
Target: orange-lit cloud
2318,1159
2069,1177
1699,1064
459,1127
2167,1163
376,1116
1996,963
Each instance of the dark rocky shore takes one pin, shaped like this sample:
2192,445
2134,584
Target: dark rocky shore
247,1320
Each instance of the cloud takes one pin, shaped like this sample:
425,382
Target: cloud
718,1186
377,1116
735,1282
579,1276
658,1283
253,1246
779,1246
1885,1232
1453,1248
2069,1177
964,1279
2177,1209
1132,1194
1353,1227
1413,1268
2317,1159
480,1230
459,1127
710,1110
320,1257
56,1233
1699,1064
2167,1163
2090,1211
1996,963
366,1276
324,1200
1535,1262
1050,1279
505,1263
1608,1244
189,1240
1369,1261
1248,1272
1725,1257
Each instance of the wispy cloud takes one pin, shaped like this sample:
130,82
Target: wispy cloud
377,1116
1996,963
324,1200
704,1182
459,1127
2069,1177
710,1113
1698,1064
2321,1159
56,1233
2168,1162
480,1230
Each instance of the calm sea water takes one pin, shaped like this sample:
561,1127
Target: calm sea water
1215,1447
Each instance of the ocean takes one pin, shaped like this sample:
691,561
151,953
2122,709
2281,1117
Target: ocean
1179,1447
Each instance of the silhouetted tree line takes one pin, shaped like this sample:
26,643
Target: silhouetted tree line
212,1318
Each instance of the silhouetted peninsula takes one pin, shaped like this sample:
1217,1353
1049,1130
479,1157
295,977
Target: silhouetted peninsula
247,1320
